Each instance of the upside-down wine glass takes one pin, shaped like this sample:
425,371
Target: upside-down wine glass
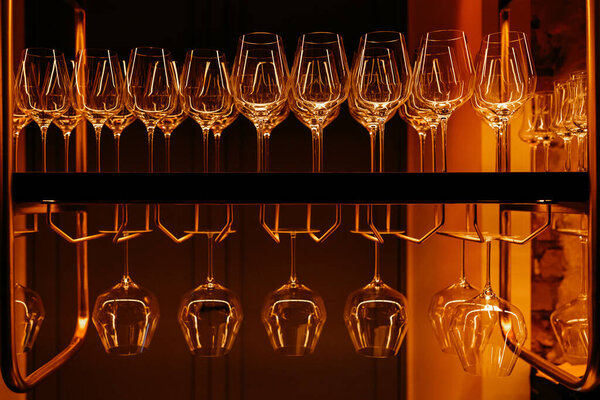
29,316
99,86
260,86
293,315
562,117
579,91
376,317
487,332
42,88
381,75
210,316
441,307
126,315
206,91
319,84
443,76
505,81
150,90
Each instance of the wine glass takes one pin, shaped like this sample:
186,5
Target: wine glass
293,315
487,332
381,73
126,315
206,91
414,116
20,121
376,317
442,305
505,81
541,122
99,87
69,120
218,127
562,117
42,88
150,89
578,91
30,315
210,316
260,85
319,84
119,121
443,76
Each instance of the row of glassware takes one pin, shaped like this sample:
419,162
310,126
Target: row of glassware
155,89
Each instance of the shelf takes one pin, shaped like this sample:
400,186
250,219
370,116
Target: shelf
256,188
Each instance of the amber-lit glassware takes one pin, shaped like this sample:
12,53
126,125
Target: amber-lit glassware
260,85
421,120
30,314
218,127
20,121
538,117
505,81
206,91
562,117
99,86
376,317
487,332
150,89
294,315
126,316
319,84
170,122
42,88
210,316
578,85
441,307
443,76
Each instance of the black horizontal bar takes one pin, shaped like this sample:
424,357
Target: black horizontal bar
256,188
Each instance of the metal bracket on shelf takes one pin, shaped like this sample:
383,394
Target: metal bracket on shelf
34,229
65,235
221,234
276,230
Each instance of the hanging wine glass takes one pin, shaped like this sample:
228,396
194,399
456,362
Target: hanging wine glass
294,315
260,86
319,84
172,120
562,117
99,86
441,307
20,121
376,317
42,88
126,315
30,314
443,76
151,89
210,316
70,119
578,86
487,332
505,80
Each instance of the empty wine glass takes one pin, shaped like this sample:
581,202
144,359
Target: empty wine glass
538,115
260,85
293,315
444,76
29,316
562,117
376,317
412,115
20,121
579,91
210,316
487,332
381,73
319,84
42,88
218,127
99,86
441,307
505,80
206,91
151,89
126,315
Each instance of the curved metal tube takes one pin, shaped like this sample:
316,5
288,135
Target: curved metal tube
63,234
328,232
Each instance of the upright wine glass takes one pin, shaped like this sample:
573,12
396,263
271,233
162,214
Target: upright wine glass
99,85
293,315
441,307
260,85
206,91
210,316
218,127
416,117
381,75
20,121
562,117
541,122
126,315
376,317
505,81
150,89
70,119
444,76
578,85
319,84
42,88
487,332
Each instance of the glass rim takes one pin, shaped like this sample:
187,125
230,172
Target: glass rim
461,35
164,52
218,53
400,36
520,36
50,52
337,37
277,38
109,53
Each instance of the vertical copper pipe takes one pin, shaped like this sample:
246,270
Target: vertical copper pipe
81,130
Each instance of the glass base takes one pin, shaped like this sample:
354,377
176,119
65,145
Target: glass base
210,352
128,350
293,351
376,352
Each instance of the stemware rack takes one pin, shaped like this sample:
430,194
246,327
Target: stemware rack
44,193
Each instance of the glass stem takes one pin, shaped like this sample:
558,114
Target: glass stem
381,146
151,148
44,130
463,278
167,151
376,273
210,277
205,152
488,280
259,149
546,156
316,137
580,153
499,150
67,136
568,154
265,145
117,136
98,132
444,130
433,129
16,151
422,136
533,157
217,136
126,277
293,277
373,142
584,266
